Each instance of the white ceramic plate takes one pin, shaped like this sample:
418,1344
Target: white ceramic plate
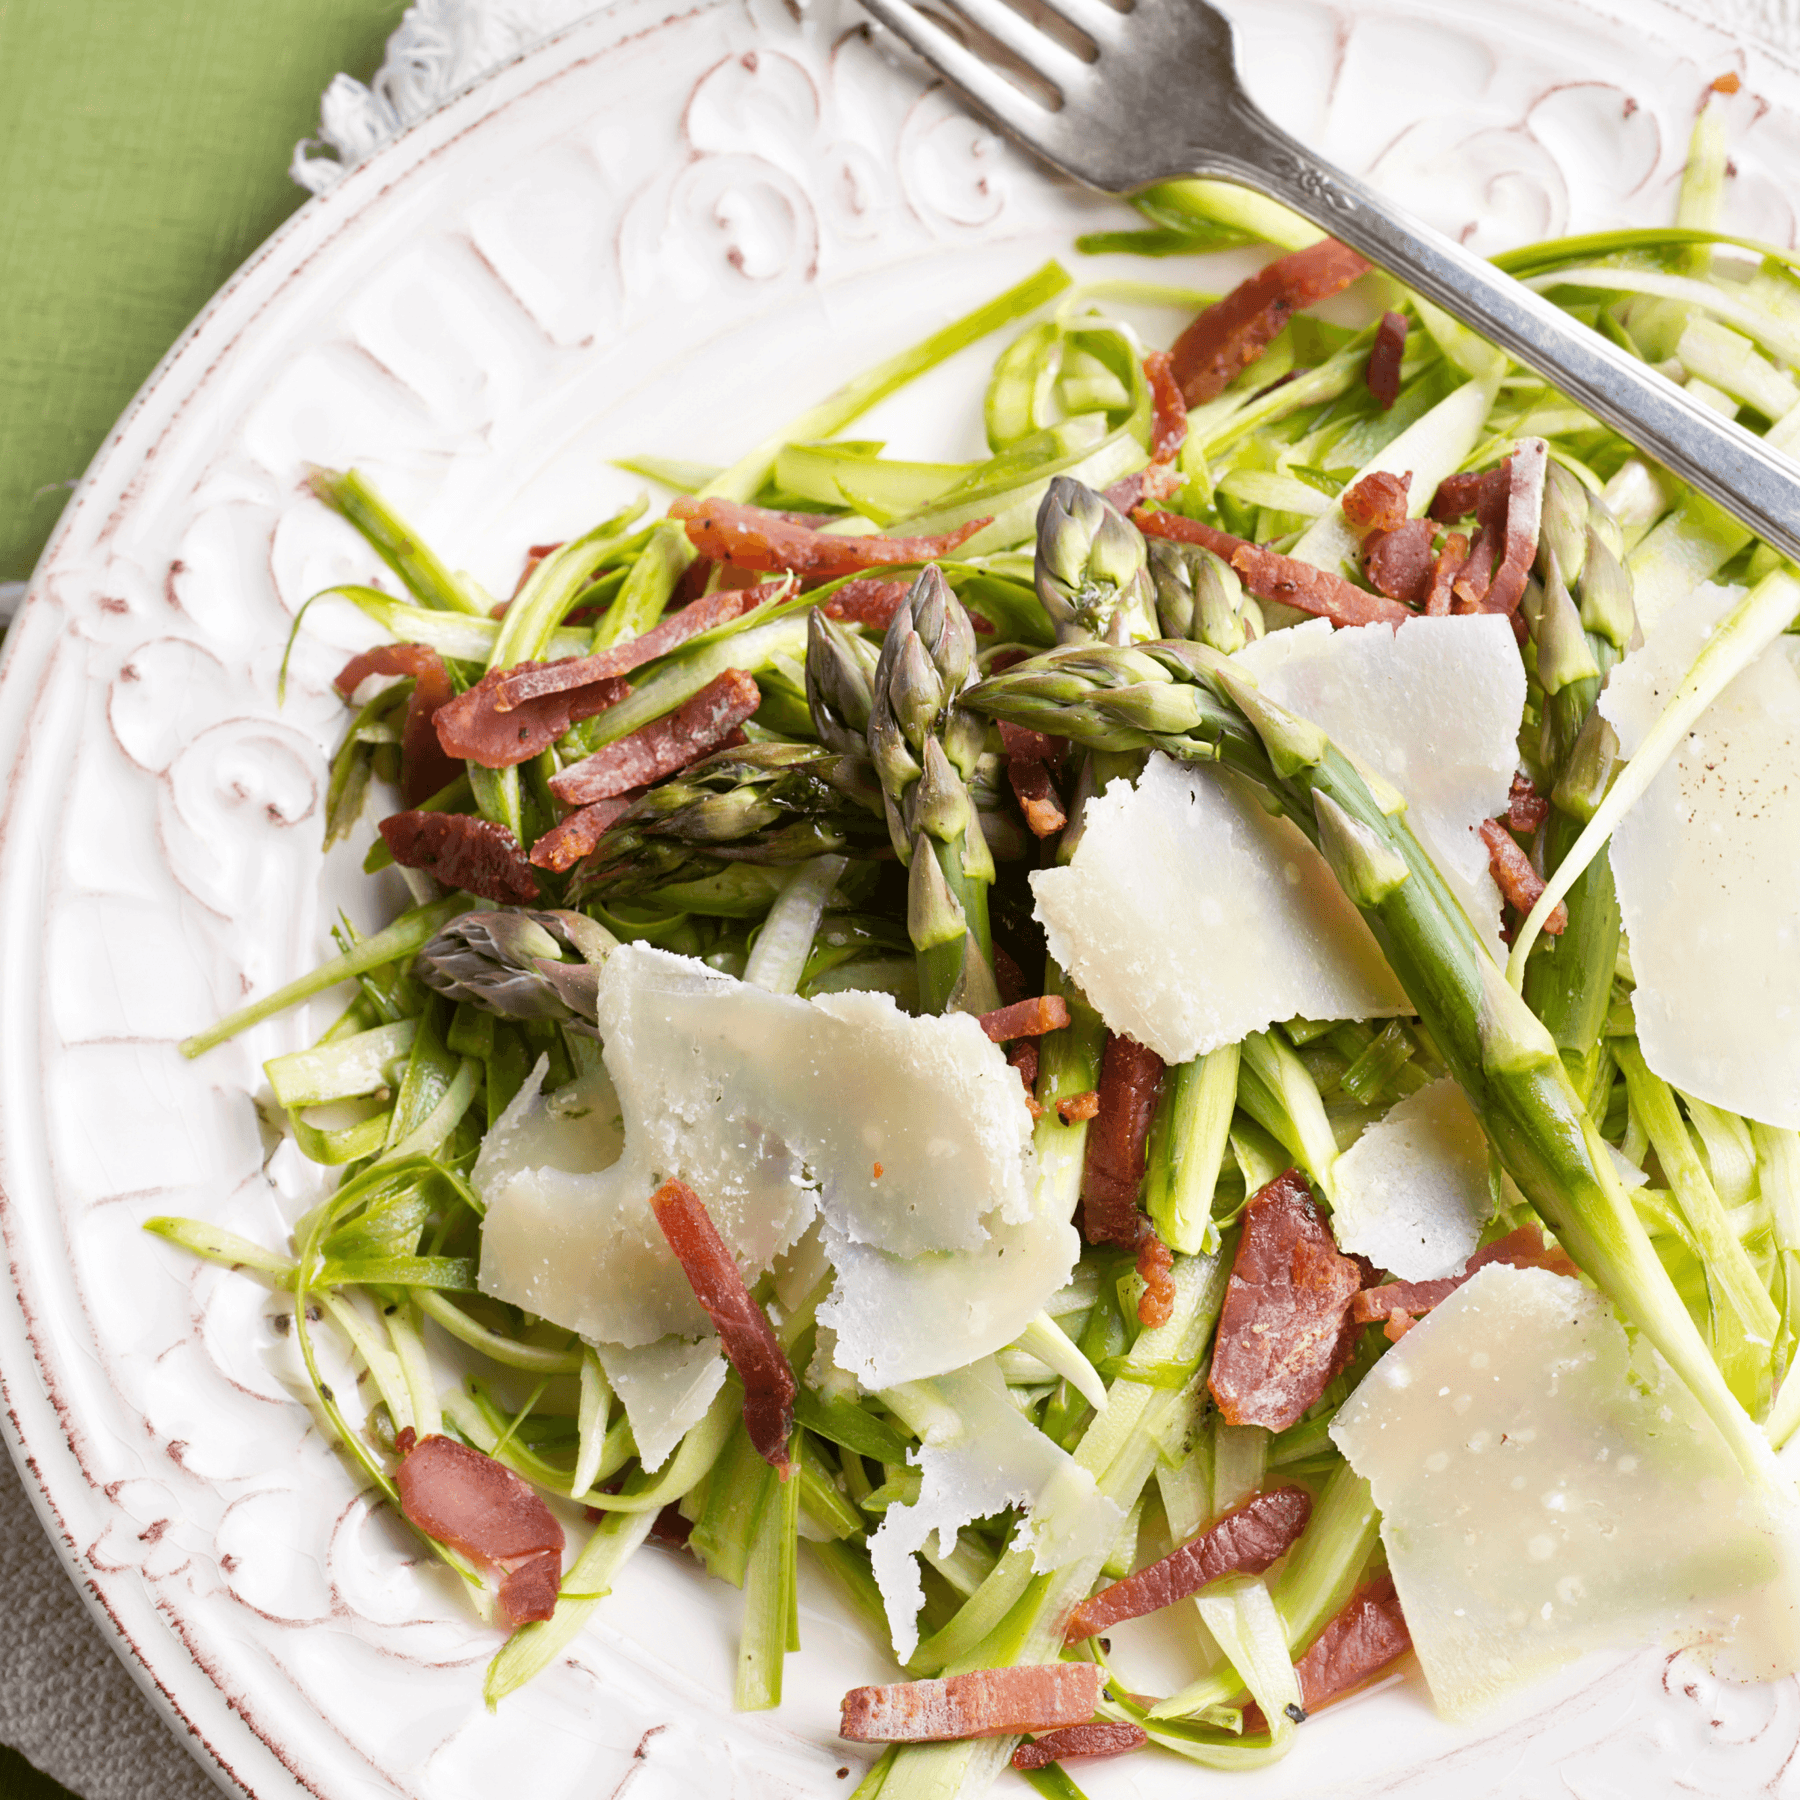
653,234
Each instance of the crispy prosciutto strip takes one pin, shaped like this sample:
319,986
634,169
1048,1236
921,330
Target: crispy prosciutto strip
1156,1304
1168,419
1377,502
1284,1330
983,1703
1464,496
1246,1541
867,601
472,728
1367,1635
1072,1109
742,1325
1516,878
424,768
1526,808
464,852
566,843
1103,1738
533,681
1383,372
1155,481
460,1497
696,728
1399,563
751,537
1523,1249
1234,332
1444,571
1113,1169
1026,1018
1524,515
1030,756
1024,1057
1270,576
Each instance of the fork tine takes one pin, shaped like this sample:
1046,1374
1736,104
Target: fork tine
962,67
1033,47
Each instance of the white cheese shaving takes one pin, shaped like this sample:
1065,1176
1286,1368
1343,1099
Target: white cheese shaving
1434,707
1412,1192
665,1389
1704,864
1191,918
998,1459
911,1136
1545,1491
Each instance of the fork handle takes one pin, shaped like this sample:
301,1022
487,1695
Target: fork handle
1756,484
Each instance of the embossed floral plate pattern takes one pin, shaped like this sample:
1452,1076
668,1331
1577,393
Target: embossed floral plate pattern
661,235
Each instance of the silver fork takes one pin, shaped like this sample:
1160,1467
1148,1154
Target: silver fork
1162,99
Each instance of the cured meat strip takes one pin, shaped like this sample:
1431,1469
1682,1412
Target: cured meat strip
742,1325
751,537
1444,571
1073,1108
1233,332
1026,1018
1156,1304
1030,756
1526,808
1156,481
464,852
1270,576
455,1494
1461,496
1285,1328
1113,1169
983,1703
532,681
472,728
1377,502
566,843
1367,1635
867,601
694,729
1399,562
424,768
1523,517
1024,1057
1168,418
1102,1738
1525,1248
1516,878
1246,1541
1383,372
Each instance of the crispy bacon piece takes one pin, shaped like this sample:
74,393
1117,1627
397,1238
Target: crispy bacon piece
1073,1108
1525,1248
751,537
476,1505
1234,332
1103,1738
1399,562
867,601
1030,756
1156,1304
1168,419
1155,481
1028,1018
534,681
1271,576
983,1703
694,729
1377,502
464,852
1444,572
566,843
1024,1057
1367,1635
424,768
671,1528
1463,496
1285,1330
1526,808
1523,518
1383,372
1246,1540
742,1325
1036,746
1113,1166
470,726
1516,878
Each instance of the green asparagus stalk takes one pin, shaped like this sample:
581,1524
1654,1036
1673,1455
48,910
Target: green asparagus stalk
1195,705
427,579
513,964
1091,568
1199,596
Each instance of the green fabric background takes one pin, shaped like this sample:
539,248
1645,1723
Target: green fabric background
144,147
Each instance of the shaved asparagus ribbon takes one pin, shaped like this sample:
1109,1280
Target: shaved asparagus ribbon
1753,625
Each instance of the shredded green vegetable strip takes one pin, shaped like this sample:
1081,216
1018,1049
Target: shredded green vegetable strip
867,837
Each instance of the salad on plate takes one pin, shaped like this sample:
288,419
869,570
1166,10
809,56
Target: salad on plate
1190,1021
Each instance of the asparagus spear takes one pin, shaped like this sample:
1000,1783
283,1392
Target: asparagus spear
1192,703
1091,569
